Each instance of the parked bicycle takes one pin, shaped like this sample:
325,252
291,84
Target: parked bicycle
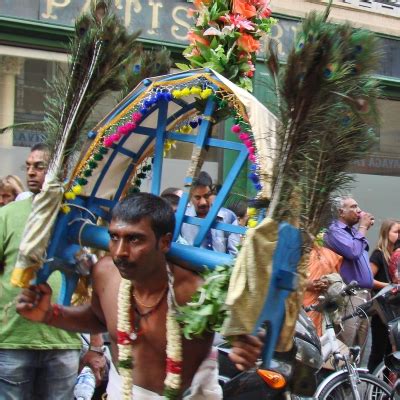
348,381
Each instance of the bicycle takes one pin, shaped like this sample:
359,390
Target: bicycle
348,381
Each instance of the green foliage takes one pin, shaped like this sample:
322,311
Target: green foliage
206,312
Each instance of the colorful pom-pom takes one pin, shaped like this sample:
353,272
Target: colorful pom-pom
252,223
108,141
69,195
185,91
65,209
136,117
77,189
236,128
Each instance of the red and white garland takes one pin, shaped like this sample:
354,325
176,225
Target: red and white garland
126,337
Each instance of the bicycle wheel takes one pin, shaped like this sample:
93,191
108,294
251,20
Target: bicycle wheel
386,375
369,388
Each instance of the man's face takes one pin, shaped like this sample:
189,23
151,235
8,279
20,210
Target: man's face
201,196
36,168
350,212
6,196
135,250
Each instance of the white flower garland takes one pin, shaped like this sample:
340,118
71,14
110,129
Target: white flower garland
126,337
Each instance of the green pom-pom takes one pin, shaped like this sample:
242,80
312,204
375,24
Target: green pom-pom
92,164
98,156
82,181
103,150
171,393
141,175
87,172
138,182
126,364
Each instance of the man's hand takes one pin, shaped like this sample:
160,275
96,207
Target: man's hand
97,363
246,350
366,220
34,303
319,285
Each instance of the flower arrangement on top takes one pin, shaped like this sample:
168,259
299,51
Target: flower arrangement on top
226,37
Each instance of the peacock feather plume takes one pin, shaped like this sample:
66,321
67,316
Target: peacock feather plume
103,59
327,110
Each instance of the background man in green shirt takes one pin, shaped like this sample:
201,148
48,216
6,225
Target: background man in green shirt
36,361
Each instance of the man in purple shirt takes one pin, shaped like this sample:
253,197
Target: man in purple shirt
344,239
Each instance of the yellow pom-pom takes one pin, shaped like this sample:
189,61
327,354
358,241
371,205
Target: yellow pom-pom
195,90
70,195
65,209
252,223
186,129
185,91
167,146
176,93
206,93
251,211
77,189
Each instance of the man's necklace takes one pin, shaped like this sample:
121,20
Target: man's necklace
137,315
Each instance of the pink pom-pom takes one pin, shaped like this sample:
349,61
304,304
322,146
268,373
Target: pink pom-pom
108,141
115,137
235,128
252,158
123,130
137,117
251,150
243,136
131,126
247,143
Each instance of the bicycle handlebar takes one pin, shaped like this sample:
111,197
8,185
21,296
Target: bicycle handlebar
348,290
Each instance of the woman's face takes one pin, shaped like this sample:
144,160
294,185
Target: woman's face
7,195
394,233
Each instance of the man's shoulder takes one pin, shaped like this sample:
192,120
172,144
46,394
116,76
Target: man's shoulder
14,206
186,283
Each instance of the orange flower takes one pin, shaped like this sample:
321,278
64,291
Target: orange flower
199,3
248,43
244,8
194,37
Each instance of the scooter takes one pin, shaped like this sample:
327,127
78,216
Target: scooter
276,381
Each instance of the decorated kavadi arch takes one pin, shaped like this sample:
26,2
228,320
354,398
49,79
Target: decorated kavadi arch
129,145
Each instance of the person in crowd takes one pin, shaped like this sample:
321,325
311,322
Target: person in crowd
36,361
172,190
133,292
216,240
172,199
239,208
394,263
379,261
10,187
322,262
343,238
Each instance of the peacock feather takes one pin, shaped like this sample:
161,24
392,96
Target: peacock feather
327,110
103,59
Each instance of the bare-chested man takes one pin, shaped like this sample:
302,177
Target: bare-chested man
140,236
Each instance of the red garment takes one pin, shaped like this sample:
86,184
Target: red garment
394,262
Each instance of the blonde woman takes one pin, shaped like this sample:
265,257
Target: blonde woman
10,187
379,261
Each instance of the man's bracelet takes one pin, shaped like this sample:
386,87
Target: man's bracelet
362,226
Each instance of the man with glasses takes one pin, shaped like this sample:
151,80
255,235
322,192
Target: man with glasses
36,361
